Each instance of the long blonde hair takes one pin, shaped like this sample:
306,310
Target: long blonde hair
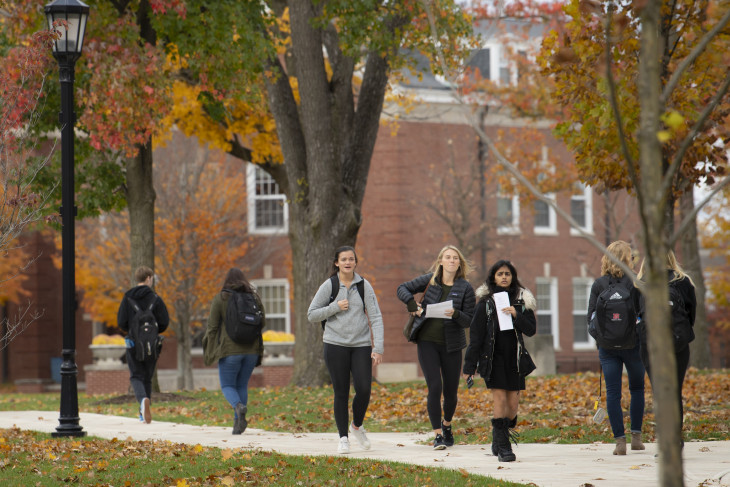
672,265
464,269
622,251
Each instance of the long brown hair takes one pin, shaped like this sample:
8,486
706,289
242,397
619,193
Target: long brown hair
235,279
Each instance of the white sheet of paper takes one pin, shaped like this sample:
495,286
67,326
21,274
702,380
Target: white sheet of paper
437,310
501,301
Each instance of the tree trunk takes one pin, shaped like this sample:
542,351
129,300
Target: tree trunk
700,348
653,208
141,205
184,375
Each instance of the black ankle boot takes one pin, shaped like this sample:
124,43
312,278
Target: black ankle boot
504,447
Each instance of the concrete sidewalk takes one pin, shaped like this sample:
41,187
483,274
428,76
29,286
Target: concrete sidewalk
705,463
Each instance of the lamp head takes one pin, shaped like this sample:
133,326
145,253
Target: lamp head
75,13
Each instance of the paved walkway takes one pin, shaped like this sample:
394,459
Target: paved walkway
705,463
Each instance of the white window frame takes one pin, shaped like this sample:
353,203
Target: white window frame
587,197
552,226
252,198
553,311
514,227
580,310
261,283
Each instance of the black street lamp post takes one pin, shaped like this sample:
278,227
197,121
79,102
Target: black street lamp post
66,50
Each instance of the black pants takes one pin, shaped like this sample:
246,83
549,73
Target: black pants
140,375
682,365
442,370
341,362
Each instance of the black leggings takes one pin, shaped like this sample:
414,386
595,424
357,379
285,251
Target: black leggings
341,361
442,370
682,365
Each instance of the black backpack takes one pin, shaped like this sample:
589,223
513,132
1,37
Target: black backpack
681,325
613,324
335,283
144,332
243,317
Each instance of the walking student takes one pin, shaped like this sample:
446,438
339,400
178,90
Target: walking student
346,306
236,356
440,340
498,354
615,356
142,316
683,301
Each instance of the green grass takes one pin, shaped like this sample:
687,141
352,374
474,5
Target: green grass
30,458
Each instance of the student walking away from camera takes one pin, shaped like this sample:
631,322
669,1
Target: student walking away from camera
142,316
612,311
346,306
683,303
234,339
499,355
440,340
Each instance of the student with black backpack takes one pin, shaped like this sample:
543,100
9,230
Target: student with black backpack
142,316
612,310
349,319
234,340
683,303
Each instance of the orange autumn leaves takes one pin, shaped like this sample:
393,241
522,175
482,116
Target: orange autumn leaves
200,232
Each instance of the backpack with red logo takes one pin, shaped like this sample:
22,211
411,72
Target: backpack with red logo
613,324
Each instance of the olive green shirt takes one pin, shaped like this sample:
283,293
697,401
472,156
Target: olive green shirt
432,329
216,343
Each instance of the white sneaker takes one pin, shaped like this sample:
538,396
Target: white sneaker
344,446
360,435
144,410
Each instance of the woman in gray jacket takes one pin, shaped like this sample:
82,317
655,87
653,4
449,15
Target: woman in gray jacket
341,304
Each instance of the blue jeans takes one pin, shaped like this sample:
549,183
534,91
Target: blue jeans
613,362
234,372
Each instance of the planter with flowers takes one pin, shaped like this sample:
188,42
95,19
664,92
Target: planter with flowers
278,344
108,350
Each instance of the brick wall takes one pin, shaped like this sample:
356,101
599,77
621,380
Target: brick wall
106,380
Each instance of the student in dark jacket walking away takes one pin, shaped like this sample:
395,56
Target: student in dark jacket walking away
614,360
499,355
236,361
142,297
440,340
351,319
683,300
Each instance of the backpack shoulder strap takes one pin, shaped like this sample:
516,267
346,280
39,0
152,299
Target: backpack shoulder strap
335,285
134,303
361,290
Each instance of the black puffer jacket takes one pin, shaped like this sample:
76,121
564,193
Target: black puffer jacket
480,352
462,295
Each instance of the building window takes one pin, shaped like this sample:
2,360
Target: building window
508,213
268,212
581,293
581,209
481,61
547,307
274,295
545,220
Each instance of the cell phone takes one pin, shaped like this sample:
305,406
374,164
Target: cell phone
469,382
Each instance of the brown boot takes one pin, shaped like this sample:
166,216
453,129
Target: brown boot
620,446
636,443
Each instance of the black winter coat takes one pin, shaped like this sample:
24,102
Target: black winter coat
485,324
462,295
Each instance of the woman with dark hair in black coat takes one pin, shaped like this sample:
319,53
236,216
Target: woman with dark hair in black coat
498,354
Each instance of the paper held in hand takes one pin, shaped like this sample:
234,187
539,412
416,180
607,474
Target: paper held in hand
501,301
437,310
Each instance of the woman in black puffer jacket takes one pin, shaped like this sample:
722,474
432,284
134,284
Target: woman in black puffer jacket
441,340
498,354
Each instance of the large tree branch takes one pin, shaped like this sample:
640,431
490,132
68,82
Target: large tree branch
691,57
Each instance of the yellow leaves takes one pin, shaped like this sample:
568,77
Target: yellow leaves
226,454
674,121
182,483
197,448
